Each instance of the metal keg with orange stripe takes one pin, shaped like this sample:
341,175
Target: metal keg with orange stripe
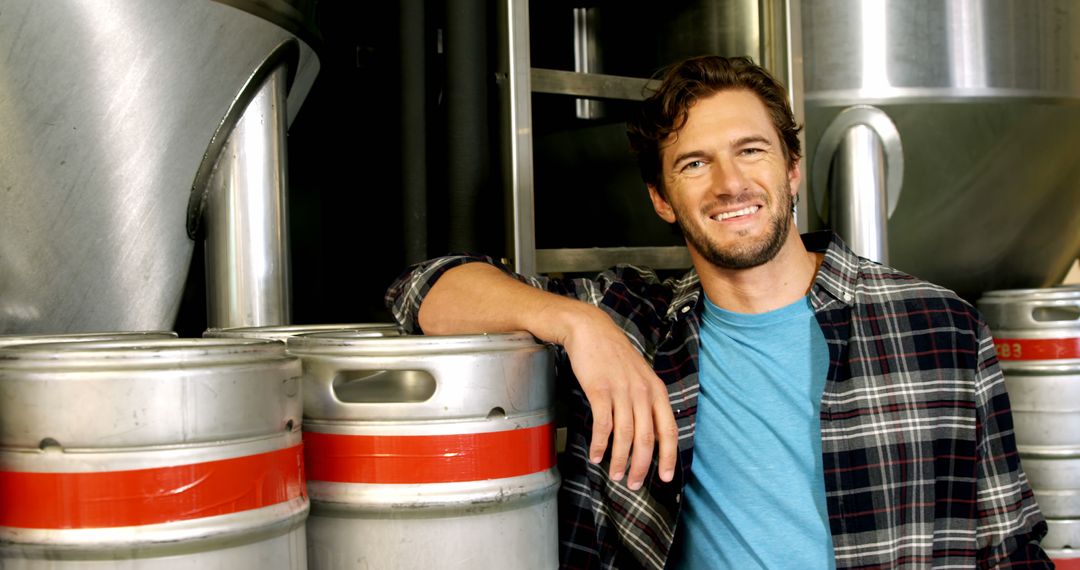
429,452
1037,337
151,454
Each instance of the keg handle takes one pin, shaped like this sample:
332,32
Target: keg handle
407,385
1056,312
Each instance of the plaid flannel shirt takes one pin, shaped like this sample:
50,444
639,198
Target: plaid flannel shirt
920,461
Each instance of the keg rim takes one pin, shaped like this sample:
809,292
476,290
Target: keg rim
283,332
1040,367
150,353
1013,295
345,342
7,341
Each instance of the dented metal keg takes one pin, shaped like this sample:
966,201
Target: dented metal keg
429,452
151,454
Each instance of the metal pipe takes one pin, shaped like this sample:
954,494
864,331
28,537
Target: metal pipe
586,58
515,110
468,145
414,130
247,246
859,209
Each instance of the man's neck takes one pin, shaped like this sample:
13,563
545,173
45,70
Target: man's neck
775,284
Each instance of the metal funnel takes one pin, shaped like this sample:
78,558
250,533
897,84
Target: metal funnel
111,112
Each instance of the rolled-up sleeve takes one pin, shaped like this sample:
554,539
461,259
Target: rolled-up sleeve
407,292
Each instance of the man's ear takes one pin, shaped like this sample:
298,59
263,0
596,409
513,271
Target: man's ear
794,176
661,205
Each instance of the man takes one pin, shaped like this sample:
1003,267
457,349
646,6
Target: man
808,408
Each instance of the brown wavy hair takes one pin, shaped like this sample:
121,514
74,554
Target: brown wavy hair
683,84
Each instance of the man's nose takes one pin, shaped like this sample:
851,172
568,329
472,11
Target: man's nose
728,177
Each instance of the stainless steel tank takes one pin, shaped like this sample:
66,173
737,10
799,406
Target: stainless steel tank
971,109
118,118
169,453
429,452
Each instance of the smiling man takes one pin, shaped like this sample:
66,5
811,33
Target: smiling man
785,404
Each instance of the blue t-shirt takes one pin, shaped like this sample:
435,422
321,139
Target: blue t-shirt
756,494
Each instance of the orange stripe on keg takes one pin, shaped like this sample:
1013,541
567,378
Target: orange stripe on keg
1067,563
1037,348
428,458
150,496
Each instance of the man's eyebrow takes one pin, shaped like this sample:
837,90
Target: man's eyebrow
751,139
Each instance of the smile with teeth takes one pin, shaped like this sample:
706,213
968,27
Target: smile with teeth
734,214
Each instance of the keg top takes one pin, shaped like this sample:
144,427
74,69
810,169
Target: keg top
357,343
1045,293
12,340
143,353
283,332
1048,309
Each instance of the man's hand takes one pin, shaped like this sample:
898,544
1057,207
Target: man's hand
629,402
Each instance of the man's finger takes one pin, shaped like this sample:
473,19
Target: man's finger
622,435
600,402
644,438
667,434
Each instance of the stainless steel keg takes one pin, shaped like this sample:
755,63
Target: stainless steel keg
1034,324
429,452
283,332
151,454
1037,336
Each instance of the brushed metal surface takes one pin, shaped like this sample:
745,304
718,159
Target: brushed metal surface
107,108
985,95
915,50
859,203
248,281
133,393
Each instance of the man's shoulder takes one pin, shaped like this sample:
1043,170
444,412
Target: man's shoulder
884,285
872,282
891,283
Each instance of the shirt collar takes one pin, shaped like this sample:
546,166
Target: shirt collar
834,282
687,293
836,278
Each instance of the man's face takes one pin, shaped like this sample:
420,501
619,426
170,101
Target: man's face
726,181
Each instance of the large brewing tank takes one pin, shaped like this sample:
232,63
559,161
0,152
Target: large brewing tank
114,114
979,162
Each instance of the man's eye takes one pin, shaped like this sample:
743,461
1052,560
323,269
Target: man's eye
752,151
694,164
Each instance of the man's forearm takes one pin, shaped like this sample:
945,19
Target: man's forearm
478,298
